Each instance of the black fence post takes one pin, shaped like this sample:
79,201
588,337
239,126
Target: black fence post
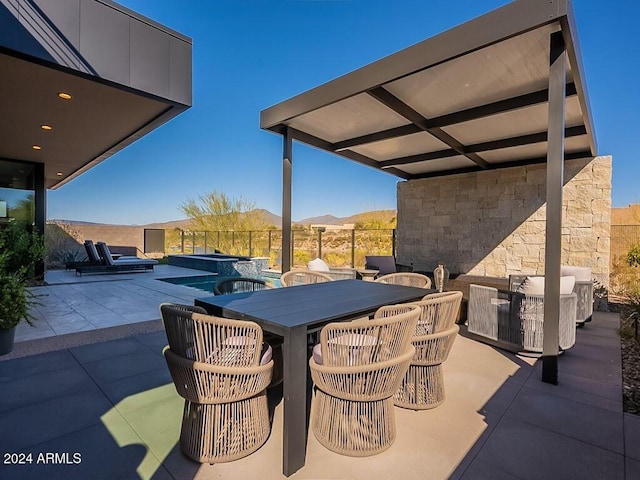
320,230
353,248
393,242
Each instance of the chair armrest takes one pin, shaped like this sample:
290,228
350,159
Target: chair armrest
367,382
209,384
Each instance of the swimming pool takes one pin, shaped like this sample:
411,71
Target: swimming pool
206,283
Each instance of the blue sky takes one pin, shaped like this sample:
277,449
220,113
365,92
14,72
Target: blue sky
249,55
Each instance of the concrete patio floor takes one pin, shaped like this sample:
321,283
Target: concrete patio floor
105,394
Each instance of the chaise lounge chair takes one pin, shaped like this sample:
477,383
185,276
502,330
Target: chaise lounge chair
121,265
92,257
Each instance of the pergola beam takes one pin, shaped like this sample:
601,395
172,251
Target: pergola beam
494,108
387,98
483,147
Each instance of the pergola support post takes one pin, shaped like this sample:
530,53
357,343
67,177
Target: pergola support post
555,181
287,152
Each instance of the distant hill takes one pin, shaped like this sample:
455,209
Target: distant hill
267,216
323,219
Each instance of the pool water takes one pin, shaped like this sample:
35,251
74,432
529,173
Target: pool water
206,283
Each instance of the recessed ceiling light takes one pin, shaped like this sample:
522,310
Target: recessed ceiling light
46,127
59,174
64,95
36,147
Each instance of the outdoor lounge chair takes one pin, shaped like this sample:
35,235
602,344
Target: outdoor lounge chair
92,257
121,265
220,368
583,289
356,371
385,264
514,320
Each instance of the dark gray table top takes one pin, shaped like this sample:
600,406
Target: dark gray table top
309,304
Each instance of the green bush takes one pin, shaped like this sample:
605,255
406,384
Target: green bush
21,253
22,250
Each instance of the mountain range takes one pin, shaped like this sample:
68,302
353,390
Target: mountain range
268,217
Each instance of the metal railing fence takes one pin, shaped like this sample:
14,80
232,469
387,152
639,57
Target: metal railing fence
344,247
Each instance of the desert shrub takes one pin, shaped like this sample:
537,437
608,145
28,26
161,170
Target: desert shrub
633,256
301,257
335,259
62,245
622,275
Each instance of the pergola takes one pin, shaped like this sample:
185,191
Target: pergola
505,89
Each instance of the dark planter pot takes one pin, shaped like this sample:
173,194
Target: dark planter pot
6,340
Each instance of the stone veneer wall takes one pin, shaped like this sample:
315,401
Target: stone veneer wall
492,223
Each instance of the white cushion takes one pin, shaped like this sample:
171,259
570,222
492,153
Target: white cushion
354,340
318,265
535,285
317,353
582,274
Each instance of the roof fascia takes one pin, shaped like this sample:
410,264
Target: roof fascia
503,23
570,35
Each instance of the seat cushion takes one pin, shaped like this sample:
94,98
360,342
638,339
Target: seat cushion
318,265
353,340
535,285
266,354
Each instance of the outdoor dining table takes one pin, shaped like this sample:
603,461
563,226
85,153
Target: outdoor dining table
293,313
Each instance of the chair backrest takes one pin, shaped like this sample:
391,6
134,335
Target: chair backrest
363,343
384,264
104,253
239,284
439,312
303,277
208,339
92,253
407,279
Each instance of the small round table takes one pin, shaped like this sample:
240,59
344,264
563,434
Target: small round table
367,275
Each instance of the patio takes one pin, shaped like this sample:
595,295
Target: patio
104,392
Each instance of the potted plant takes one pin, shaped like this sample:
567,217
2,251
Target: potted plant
20,254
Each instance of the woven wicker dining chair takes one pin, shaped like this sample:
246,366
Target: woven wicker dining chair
408,279
360,368
239,284
221,370
423,384
303,277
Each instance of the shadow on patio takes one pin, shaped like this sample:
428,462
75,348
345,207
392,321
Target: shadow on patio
113,403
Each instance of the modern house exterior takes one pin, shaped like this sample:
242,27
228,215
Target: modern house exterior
81,80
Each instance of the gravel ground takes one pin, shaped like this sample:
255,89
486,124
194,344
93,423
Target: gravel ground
630,358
